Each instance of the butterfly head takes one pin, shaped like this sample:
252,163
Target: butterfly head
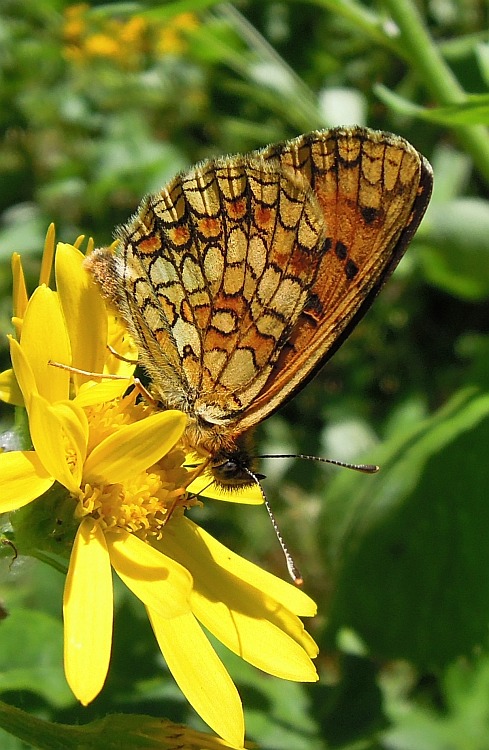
233,469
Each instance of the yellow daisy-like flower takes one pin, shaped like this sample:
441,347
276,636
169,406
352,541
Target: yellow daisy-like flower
122,469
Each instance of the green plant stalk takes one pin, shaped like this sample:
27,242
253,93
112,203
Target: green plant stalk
437,76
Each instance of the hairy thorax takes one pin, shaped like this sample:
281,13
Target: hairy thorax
228,452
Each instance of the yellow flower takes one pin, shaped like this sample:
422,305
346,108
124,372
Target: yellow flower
122,468
101,45
75,21
171,37
132,32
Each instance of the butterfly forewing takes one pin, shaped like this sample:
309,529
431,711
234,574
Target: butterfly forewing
373,189
242,276
221,280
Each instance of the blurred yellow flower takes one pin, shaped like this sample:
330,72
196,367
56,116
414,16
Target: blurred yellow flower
171,36
90,36
122,468
132,32
75,20
101,45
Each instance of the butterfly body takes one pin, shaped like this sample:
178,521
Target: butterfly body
242,276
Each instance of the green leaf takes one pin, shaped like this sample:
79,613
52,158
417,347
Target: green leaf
31,655
473,111
454,253
462,725
409,547
46,528
482,55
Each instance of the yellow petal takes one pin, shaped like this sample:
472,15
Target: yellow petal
88,613
245,618
84,311
75,424
200,674
53,436
122,343
19,295
134,447
92,392
9,389
205,485
44,338
22,479
17,324
276,643
193,537
23,371
158,581
47,256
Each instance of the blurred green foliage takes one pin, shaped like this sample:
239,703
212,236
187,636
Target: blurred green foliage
100,104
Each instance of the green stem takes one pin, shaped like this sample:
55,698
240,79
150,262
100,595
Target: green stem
423,54
436,75
48,559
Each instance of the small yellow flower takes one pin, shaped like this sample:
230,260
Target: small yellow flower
171,37
102,45
132,32
75,21
123,471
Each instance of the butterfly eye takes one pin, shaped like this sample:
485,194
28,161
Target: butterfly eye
232,471
229,469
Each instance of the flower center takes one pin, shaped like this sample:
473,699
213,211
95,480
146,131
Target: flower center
144,503
141,505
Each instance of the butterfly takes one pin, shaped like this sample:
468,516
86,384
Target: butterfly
243,276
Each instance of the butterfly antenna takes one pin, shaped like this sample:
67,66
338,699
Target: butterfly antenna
291,566
365,468
116,354
88,373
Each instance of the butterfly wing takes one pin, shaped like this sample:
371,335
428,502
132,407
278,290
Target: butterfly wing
259,271
212,274
242,277
373,189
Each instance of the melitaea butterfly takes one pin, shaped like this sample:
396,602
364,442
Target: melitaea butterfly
241,277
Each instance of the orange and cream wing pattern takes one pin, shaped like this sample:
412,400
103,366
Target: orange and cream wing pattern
222,266
241,277
373,189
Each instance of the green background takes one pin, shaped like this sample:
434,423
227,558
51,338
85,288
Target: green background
100,104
